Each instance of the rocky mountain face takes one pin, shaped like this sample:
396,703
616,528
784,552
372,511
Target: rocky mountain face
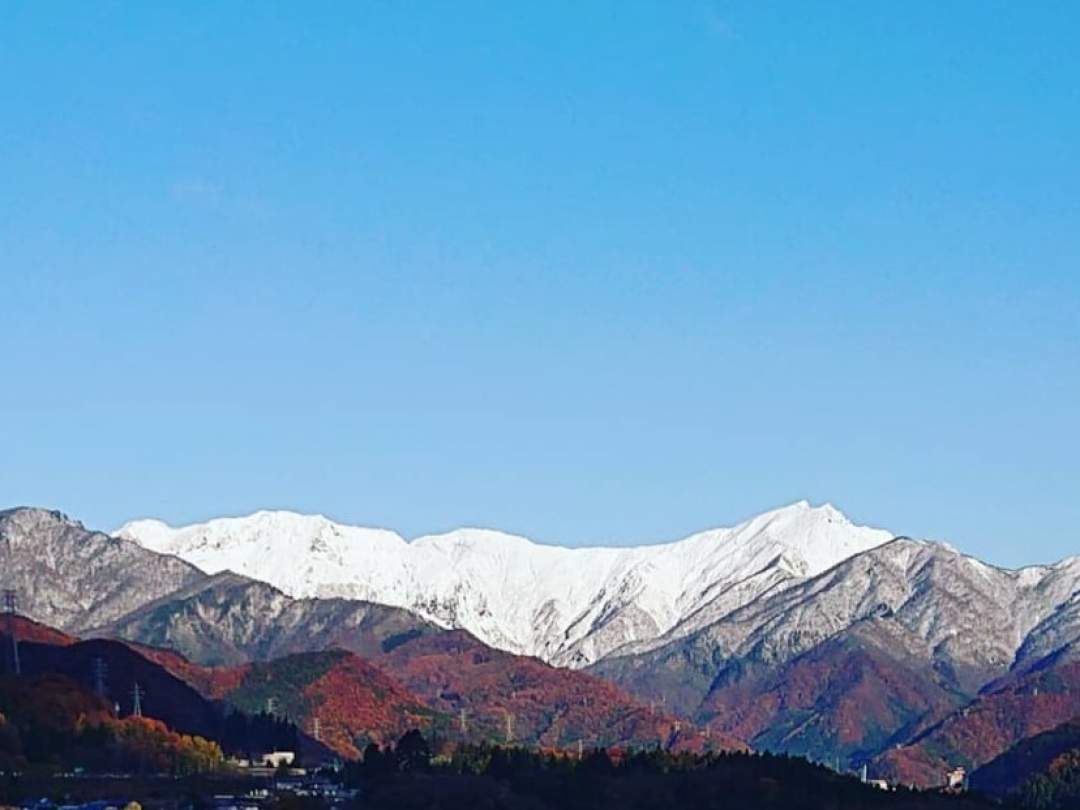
567,606
842,702
227,619
88,583
861,657
68,577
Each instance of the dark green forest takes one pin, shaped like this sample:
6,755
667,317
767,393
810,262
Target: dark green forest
474,777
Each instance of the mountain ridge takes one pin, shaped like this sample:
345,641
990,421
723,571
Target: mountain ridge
568,606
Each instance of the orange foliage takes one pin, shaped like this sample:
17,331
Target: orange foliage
155,747
845,698
210,682
1019,707
29,630
551,707
355,702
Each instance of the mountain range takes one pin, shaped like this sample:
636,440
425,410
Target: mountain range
570,607
796,631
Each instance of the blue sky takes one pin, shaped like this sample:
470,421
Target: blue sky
604,272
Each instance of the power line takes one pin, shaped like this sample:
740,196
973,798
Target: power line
11,607
137,694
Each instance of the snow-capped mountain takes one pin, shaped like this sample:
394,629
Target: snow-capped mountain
567,606
796,631
975,619
864,655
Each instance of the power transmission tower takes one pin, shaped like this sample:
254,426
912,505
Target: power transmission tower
509,727
316,731
10,607
101,671
271,706
136,700
463,719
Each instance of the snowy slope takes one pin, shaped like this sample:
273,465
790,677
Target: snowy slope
930,607
567,606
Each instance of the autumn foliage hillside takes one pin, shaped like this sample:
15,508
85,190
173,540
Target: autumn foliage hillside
1040,771
354,702
29,630
453,687
1019,707
164,696
845,699
50,720
449,684
490,695
210,682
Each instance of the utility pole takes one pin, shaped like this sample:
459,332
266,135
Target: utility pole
580,748
10,607
509,727
463,719
316,730
101,670
136,700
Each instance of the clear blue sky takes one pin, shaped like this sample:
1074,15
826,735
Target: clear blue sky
602,272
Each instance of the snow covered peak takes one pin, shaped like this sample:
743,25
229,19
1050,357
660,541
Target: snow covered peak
470,539
566,605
